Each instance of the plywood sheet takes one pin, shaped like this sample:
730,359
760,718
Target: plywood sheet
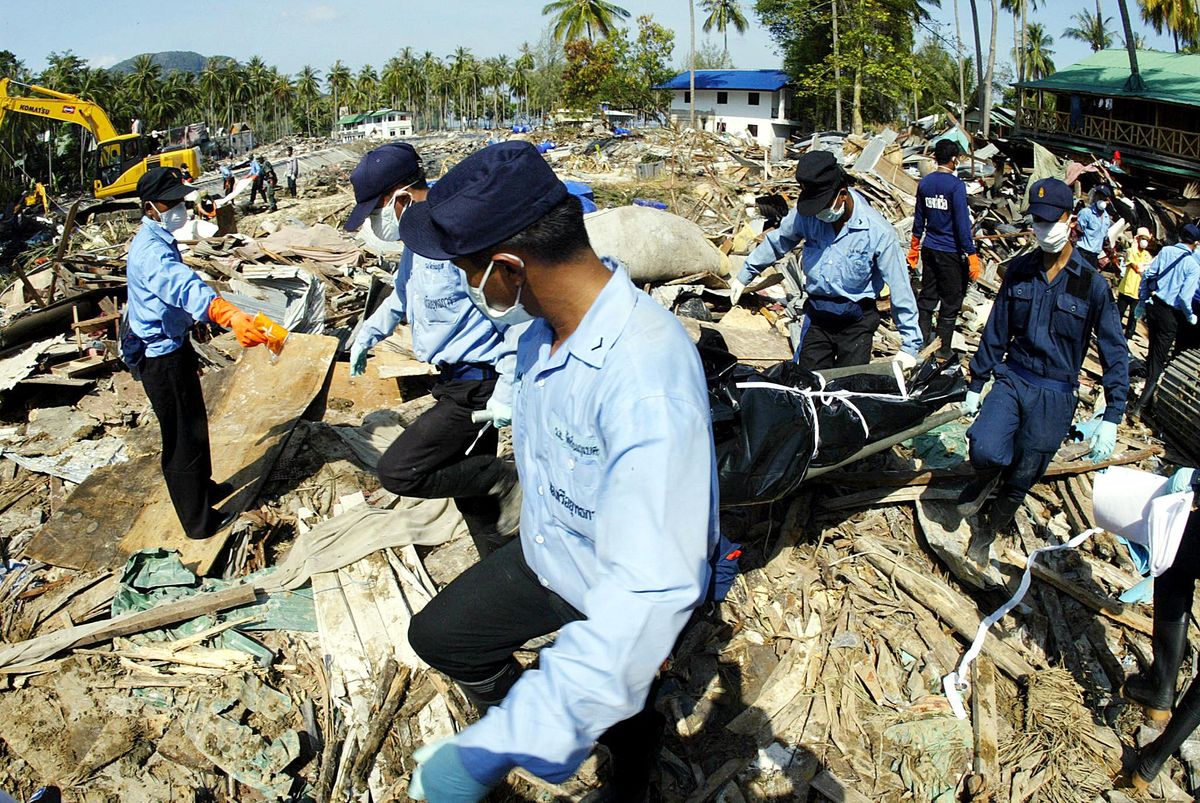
121,509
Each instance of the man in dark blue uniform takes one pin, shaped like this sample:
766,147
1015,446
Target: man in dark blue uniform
947,255
1036,337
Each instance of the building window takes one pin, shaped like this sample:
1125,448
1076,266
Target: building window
722,97
752,130
687,96
753,99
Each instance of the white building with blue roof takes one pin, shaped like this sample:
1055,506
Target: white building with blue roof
754,103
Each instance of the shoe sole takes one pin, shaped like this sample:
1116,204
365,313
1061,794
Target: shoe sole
1157,716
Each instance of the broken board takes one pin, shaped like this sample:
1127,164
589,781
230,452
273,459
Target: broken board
121,509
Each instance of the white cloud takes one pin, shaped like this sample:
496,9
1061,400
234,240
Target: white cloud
104,62
321,13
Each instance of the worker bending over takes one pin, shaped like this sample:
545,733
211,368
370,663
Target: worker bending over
947,255
1166,293
850,253
1154,689
614,445
442,453
166,298
1093,223
1034,343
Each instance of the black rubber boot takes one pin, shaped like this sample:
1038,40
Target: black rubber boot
973,497
1184,721
945,333
1155,689
634,747
998,520
487,693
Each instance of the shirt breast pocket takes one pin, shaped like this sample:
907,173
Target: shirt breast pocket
1020,303
1069,317
441,294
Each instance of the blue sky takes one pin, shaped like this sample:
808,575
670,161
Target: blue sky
292,34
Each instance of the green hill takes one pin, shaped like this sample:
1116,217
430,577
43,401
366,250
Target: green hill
169,61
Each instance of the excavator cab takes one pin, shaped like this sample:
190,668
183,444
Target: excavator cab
119,166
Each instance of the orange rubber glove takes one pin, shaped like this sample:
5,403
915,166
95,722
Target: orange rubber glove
914,253
974,267
222,313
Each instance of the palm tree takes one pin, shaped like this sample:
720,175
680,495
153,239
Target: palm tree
143,81
338,82
283,92
1135,82
1038,58
1180,17
429,67
366,87
392,78
307,90
518,80
574,17
210,86
1091,28
1020,11
722,14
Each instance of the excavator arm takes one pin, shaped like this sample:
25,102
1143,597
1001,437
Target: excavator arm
53,105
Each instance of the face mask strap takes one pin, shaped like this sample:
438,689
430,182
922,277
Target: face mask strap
483,283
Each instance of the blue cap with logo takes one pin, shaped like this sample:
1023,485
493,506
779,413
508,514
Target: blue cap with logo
1049,198
376,173
485,199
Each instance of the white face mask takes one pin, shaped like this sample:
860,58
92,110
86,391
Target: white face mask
514,315
1101,206
385,222
174,218
1143,244
832,215
1052,237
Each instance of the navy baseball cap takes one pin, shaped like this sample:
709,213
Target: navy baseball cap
1190,233
1103,191
376,173
486,198
820,178
1049,198
162,184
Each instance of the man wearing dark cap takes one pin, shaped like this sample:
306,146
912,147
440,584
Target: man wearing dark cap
947,256
850,253
166,298
1094,222
1051,302
1165,296
613,441
443,453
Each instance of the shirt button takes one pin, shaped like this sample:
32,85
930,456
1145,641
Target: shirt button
537,539
541,491
545,583
570,462
541,383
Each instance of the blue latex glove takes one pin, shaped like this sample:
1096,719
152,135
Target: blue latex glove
1192,319
358,360
970,405
440,776
501,413
1181,480
1139,311
1103,441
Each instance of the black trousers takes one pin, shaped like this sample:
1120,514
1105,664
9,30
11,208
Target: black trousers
944,278
172,383
256,189
1090,256
1125,307
429,461
830,344
470,630
291,182
1188,336
1164,323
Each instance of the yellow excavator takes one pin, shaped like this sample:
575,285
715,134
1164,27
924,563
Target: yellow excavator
119,160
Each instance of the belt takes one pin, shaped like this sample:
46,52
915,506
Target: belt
1040,381
467,371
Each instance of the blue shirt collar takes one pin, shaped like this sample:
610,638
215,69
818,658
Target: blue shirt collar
156,230
603,323
858,220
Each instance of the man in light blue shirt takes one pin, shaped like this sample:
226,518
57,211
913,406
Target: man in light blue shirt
850,253
256,173
444,453
613,441
1165,297
1094,222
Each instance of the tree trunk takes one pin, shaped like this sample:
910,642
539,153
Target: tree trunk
1135,82
962,80
856,122
978,57
987,93
837,70
1019,46
692,66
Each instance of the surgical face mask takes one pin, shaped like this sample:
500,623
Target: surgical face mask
1052,237
174,218
1101,206
832,215
1143,243
516,314
385,222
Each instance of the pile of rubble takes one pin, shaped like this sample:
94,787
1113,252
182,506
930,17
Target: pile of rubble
273,665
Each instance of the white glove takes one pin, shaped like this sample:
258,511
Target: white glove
499,412
906,360
358,359
970,405
1192,319
736,289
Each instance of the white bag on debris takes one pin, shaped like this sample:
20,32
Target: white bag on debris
654,245
1136,506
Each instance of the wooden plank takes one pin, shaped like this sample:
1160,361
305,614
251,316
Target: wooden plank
253,407
83,366
986,764
781,687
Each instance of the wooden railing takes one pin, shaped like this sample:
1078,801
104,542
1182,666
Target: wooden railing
1117,133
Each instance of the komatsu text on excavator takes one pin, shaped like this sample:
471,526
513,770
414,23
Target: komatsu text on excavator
119,160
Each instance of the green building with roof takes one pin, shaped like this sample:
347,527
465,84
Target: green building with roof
1093,109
